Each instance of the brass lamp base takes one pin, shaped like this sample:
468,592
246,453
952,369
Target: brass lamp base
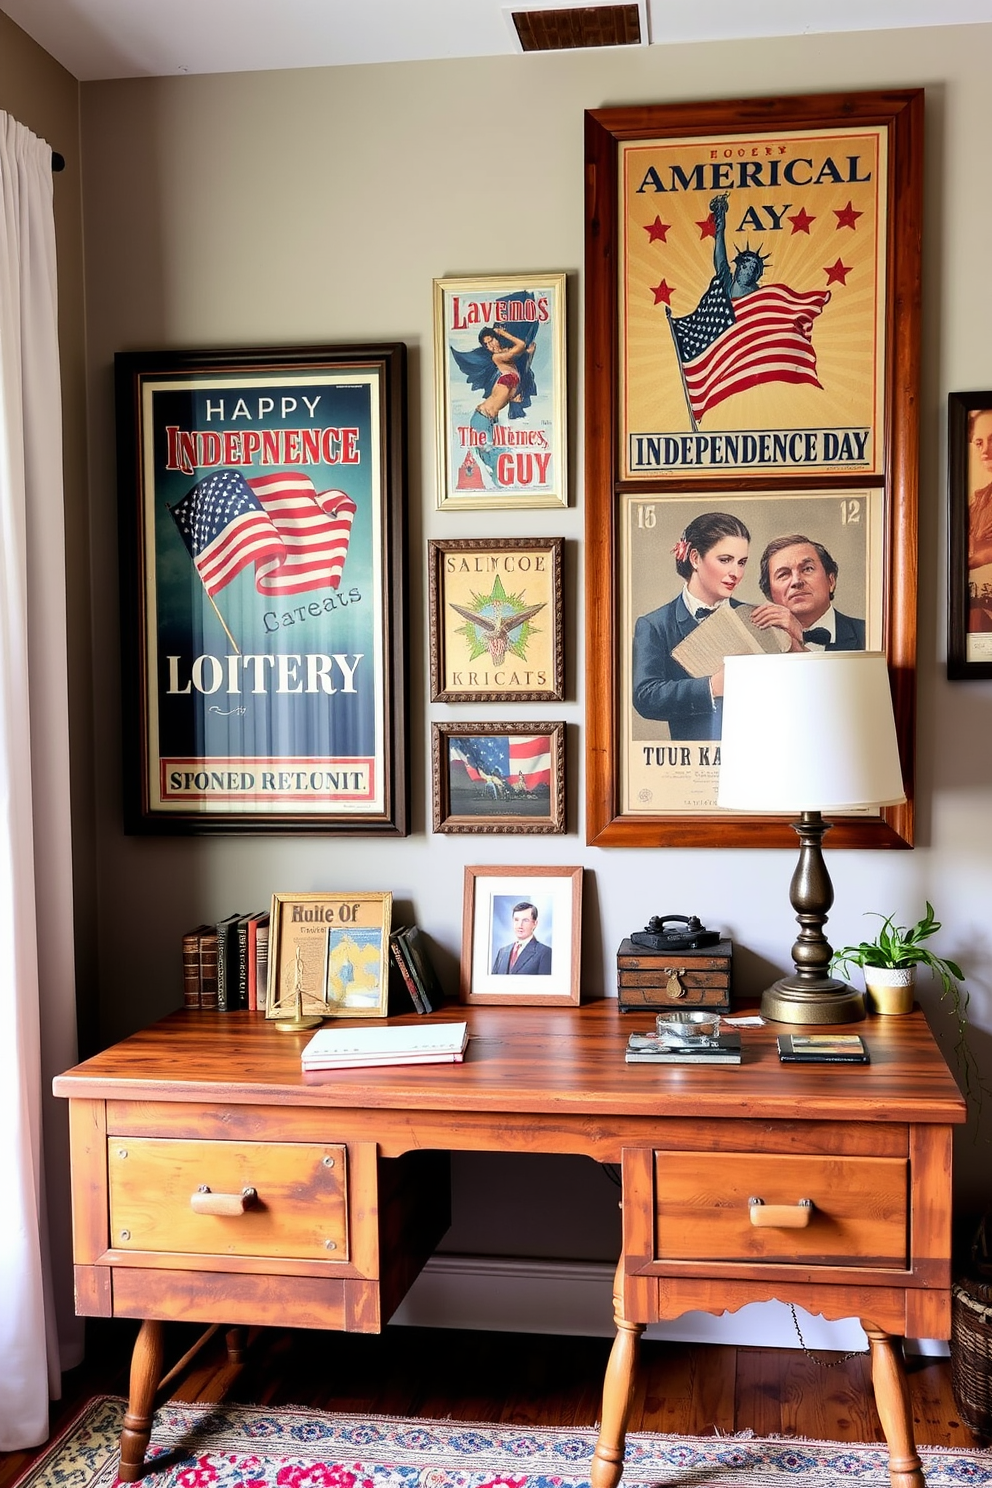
789,1001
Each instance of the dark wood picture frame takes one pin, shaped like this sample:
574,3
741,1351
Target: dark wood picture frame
895,119
496,620
487,796
263,580
969,511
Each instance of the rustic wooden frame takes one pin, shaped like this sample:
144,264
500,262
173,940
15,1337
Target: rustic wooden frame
525,569
900,114
509,812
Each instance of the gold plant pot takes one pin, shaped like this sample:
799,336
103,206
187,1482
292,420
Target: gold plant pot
890,990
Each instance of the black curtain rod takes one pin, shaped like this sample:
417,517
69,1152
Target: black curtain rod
58,161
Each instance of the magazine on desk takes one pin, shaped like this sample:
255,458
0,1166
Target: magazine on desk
353,1048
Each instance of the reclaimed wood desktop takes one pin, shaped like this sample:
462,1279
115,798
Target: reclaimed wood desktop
212,1182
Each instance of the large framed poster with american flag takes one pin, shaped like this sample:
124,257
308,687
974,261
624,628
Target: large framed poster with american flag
752,328
262,510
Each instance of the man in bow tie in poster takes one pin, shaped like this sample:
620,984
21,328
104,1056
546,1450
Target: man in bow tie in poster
799,579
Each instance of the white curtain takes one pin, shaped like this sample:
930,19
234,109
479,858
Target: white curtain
37,1005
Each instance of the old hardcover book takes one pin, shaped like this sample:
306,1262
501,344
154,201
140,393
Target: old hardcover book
191,966
227,963
413,948
402,981
262,963
208,969
727,632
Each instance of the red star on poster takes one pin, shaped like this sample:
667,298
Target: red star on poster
658,231
837,272
707,229
847,216
662,293
801,221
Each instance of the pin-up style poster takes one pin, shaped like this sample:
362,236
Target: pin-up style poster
499,362
263,532
752,304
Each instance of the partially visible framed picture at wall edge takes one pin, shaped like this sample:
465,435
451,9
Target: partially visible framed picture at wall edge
499,371
752,335
969,492
263,580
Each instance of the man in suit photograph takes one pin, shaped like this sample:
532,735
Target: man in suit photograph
799,578
525,955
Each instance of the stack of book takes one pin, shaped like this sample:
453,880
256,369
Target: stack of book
654,1048
354,1048
414,971
226,966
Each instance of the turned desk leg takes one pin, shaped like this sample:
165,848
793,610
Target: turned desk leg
888,1375
146,1372
618,1389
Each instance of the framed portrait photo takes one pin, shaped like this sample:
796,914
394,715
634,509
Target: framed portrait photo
969,505
499,370
498,777
752,333
496,620
263,589
522,935
329,955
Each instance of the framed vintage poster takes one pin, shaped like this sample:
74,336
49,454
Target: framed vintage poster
969,502
496,620
522,935
498,777
499,371
329,955
262,561
752,368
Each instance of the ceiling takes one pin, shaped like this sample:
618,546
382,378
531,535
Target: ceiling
97,39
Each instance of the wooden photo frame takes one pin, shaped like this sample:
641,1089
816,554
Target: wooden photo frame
752,354
330,953
538,911
499,374
969,509
496,620
498,777
263,562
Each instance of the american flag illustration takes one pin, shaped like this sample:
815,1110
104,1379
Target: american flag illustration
522,759
297,539
726,346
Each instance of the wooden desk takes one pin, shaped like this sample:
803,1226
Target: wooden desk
350,1178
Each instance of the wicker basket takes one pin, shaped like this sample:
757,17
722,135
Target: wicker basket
971,1339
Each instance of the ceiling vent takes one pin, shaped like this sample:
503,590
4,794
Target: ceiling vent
573,27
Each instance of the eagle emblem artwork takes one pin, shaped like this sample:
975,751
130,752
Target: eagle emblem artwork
753,290
262,531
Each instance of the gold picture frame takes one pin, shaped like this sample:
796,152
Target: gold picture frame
499,375
329,955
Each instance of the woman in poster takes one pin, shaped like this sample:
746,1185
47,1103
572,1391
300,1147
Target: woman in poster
710,557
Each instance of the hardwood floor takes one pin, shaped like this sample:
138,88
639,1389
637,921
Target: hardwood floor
528,1379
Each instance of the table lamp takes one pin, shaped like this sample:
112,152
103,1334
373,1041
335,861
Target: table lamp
803,733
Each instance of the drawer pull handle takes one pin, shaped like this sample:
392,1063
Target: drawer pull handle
205,1202
780,1216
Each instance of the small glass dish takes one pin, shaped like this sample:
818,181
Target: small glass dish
684,1027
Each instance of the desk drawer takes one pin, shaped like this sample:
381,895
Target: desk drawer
858,1214
299,1212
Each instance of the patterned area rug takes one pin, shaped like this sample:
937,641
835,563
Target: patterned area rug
233,1446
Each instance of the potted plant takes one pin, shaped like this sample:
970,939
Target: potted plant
888,964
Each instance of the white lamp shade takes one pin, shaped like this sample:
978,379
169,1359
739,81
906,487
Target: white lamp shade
808,731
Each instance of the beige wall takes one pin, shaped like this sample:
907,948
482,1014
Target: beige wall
318,206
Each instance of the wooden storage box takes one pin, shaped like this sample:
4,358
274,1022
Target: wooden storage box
674,979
